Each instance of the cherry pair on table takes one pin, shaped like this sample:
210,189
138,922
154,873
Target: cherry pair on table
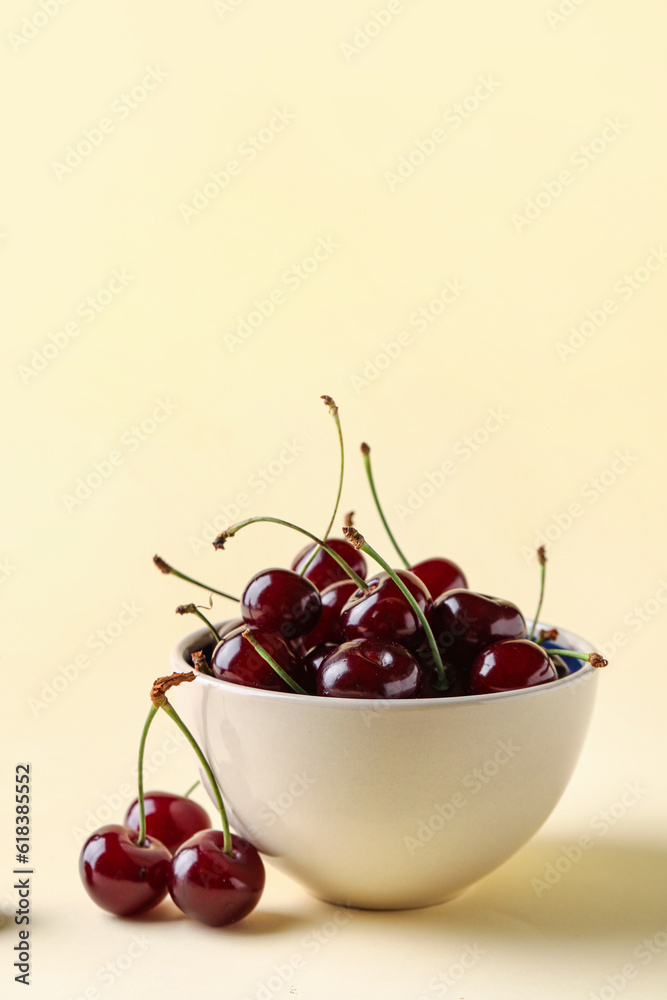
213,876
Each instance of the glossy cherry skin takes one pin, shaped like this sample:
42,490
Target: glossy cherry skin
329,628
209,644
324,570
120,876
236,661
464,623
312,660
213,887
439,575
279,600
384,612
368,668
510,665
171,819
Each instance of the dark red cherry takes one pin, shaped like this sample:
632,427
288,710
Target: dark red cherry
312,661
236,661
439,575
206,646
368,668
329,629
171,819
465,622
119,875
279,600
383,612
324,570
213,887
510,665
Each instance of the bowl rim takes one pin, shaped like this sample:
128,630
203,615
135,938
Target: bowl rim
579,644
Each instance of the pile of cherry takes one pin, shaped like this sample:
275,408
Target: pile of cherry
332,638
321,628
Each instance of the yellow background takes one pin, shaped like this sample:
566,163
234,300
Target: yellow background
354,97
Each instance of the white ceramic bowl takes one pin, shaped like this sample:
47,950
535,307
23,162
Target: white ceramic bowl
388,804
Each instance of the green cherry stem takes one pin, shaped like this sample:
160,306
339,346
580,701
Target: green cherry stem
219,543
333,410
593,658
190,790
272,663
164,567
140,777
159,699
360,543
366,452
192,609
542,559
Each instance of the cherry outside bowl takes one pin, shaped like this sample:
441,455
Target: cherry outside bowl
388,804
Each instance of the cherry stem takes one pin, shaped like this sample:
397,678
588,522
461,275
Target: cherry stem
200,664
333,410
174,716
192,609
219,543
366,452
190,790
140,776
164,567
542,558
272,663
359,542
594,658
544,634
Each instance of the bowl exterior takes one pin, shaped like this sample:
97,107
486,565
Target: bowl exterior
389,805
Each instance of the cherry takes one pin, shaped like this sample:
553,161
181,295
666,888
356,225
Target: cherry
214,877
368,668
212,886
439,575
322,569
201,657
234,660
120,874
465,622
329,629
279,600
171,819
123,870
509,665
383,612
312,661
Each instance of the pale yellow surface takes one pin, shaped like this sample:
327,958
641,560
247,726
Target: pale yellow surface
543,94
